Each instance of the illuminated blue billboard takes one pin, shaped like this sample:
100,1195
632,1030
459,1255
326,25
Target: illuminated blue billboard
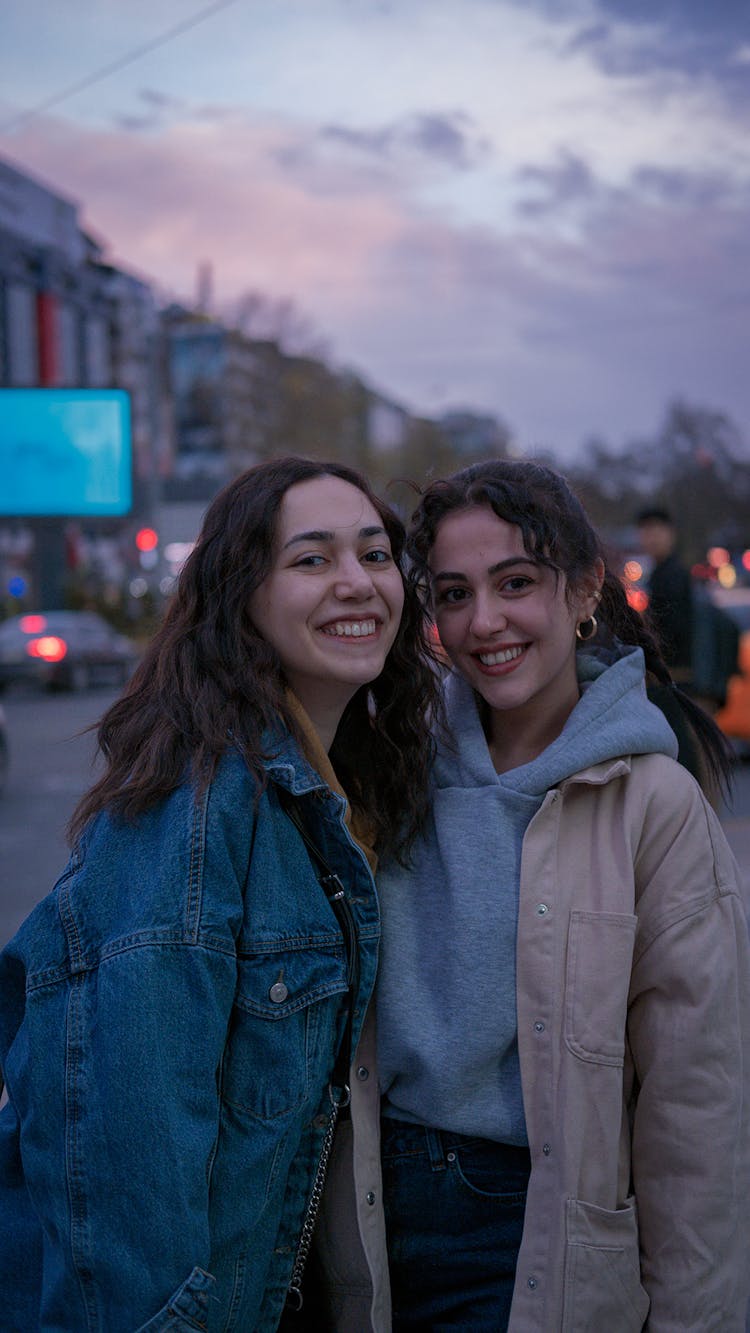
65,452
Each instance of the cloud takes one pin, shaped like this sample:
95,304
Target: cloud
692,189
558,328
158,104
568,187
137,124
628,38
445,137
395,159
154,98
569,180
213,190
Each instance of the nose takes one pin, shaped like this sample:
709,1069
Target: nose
487,616
353,579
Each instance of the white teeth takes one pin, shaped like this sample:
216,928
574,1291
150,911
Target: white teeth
350,629
494,659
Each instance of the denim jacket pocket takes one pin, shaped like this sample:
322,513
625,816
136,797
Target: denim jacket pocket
602,1269
281,1027
597,982
187,1309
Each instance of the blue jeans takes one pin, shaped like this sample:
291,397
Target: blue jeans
454,1211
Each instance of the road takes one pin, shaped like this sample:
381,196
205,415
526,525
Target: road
51,766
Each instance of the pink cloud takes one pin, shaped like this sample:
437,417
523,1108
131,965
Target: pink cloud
215,190
558,330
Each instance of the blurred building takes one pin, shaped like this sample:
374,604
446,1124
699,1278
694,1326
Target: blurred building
387,425
221,386
207,400
69,319
470,433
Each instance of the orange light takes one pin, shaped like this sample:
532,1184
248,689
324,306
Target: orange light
718,556
32,624
49,648
633,571
146,539
727,576
637,598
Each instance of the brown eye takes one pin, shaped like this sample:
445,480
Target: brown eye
451,596
519,583
309,562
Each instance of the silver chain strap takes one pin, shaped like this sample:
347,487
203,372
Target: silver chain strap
294,1294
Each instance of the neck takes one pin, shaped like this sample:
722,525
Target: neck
324,713
326,726
516,736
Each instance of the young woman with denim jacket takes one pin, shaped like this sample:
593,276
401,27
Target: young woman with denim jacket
564,988
177,1018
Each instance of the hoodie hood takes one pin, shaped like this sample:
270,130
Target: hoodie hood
612,718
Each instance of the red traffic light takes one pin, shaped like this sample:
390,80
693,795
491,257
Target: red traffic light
146,539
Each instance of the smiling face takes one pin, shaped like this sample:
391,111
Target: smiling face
506,623
332,601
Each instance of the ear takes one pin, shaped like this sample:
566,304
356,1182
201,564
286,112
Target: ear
591,589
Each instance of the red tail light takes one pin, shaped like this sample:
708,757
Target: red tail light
33,624
48,647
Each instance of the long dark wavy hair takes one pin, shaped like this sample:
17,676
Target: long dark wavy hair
556,532
208,679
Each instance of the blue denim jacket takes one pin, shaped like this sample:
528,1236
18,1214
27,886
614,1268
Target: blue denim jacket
169,1020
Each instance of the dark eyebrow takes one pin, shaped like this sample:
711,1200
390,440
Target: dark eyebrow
318,535
446,576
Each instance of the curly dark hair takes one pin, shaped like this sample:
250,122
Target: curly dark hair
208,676
556,532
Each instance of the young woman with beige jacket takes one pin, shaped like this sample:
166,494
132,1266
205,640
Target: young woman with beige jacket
564,982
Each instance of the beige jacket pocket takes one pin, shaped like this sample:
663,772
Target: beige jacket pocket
602,1270
597,982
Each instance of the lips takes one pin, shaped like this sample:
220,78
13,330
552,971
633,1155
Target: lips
350,629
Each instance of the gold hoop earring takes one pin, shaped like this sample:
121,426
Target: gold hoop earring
589,626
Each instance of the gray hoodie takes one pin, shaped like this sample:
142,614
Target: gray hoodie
446,1010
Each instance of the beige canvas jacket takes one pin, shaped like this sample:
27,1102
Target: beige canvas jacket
634,1041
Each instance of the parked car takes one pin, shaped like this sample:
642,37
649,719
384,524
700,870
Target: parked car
64,650
4,755
734,717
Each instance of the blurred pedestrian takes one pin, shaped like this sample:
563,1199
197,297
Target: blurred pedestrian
699,641
179,1016
564,990
670,591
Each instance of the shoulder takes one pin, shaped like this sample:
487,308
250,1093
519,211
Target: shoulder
663,794
654,816
664,779
682,857
166,876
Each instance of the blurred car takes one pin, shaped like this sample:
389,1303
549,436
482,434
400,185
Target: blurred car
4,755
64,650
734,717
